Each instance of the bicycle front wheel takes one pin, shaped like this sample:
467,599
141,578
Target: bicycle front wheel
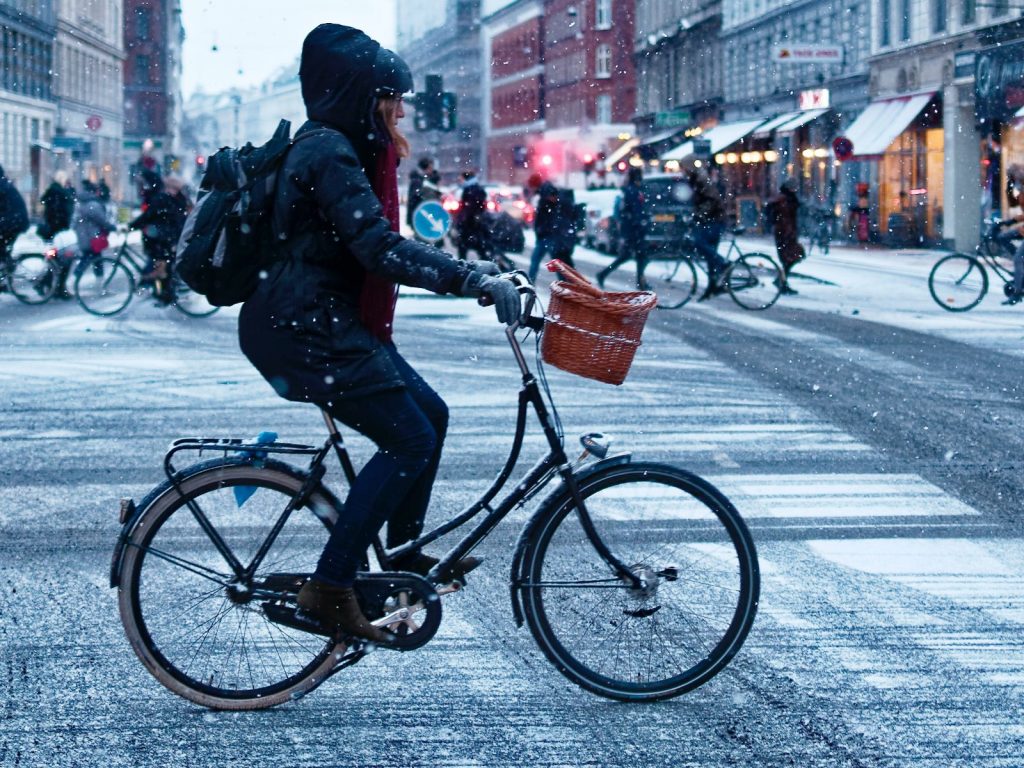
32,278
191,303
699,568
754,281
674,281
200,629
103,286
958,282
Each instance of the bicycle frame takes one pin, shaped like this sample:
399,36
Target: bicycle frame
535,479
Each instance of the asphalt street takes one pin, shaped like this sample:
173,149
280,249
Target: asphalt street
870,439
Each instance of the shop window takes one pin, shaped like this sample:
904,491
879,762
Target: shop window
603,14
603,64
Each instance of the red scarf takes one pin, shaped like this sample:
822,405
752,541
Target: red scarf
379,295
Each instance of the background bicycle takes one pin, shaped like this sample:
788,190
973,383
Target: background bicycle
959,282
819,225
29,277
105,285
752,279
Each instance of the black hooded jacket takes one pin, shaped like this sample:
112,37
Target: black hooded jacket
301,327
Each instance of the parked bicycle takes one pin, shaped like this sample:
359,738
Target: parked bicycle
25,277
959,282
753,279
638,580
820,224
105,285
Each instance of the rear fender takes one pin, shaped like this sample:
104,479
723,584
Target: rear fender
541,513
135,512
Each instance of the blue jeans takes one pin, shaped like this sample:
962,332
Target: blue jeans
408,427
544,245
706,238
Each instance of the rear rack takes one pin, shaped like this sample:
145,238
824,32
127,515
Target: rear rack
226,445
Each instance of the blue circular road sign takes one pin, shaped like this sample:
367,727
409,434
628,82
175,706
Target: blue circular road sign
431,221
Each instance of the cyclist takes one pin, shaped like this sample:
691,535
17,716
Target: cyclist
13,215
161,223
91,228
708,223
633,221
1015,199
470,219
319,326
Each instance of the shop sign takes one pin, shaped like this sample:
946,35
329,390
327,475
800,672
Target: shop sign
808,53
963,65
818,98
999,81
671,119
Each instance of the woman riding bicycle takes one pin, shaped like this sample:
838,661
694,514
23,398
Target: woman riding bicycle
1015,200
319,326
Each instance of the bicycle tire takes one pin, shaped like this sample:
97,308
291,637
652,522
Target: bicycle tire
218,669
190,303
104,286
754,281
32,278
958,282
640,511
674,281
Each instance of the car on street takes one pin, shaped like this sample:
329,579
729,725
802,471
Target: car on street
600,203
667,197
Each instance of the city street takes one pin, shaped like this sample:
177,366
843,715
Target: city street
871,440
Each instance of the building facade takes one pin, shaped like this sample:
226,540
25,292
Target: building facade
153,37
88,87
442,37
28,113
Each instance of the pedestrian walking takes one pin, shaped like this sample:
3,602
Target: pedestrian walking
58,203
13,215
782,211
319,326
708,223
92,227
421,179
1015,229
470,219
632,217
545,222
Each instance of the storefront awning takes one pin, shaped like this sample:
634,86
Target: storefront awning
721,136
879,125
801,119
764,130
621,153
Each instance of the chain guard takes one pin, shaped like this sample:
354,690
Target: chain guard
411,599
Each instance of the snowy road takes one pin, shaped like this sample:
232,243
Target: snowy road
870,439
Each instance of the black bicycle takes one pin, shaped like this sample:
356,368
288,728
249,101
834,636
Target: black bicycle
29,277
959,282
752,279
105,285
639,581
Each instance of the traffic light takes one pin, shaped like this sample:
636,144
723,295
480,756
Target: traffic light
446,117
435,107
588,163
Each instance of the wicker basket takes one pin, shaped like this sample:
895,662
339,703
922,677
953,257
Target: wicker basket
590,332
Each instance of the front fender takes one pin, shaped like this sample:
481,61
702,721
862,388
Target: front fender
542,511
166,487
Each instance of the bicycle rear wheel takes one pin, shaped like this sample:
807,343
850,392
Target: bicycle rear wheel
191,303
754,281
958,282
32,278
104,286
689,544
198,628
673,280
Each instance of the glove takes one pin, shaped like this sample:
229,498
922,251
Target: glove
501,293
485,267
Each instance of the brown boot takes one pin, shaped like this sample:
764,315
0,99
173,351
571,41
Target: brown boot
338,607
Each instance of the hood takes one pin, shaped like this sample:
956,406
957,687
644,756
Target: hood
342,72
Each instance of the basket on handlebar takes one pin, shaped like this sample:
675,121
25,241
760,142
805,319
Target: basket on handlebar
590,332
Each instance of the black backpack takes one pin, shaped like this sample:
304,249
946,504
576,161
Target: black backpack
228,241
